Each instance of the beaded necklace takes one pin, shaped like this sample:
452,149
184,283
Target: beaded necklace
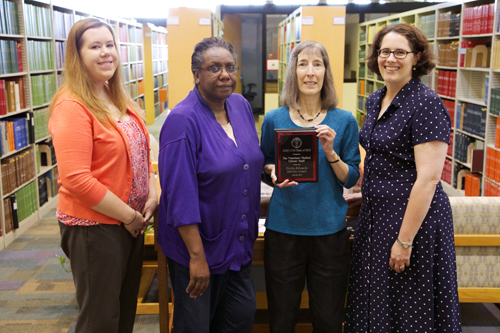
316,116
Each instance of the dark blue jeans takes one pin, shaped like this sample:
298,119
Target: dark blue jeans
228,305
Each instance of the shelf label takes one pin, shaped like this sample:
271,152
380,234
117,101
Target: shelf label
173,20
205,21
307,20
462,51
339,20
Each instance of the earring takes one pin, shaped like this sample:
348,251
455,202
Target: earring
414,68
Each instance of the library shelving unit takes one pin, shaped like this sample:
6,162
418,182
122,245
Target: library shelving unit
155,87
129,36
324,24
465,38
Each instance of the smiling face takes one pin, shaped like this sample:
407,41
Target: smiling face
215,88
310,72
396,72
99,55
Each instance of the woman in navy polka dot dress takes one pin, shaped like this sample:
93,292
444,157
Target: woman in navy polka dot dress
403,273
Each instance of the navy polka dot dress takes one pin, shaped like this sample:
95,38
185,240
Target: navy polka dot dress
424,297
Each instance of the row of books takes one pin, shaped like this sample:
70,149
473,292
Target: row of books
13,134
20,205
11,56
37,21
491,189
478,19
446,174
448,24
493,164
60,54
472,185
362,71
361,103
495,101
17,170
135,53
497,133
136,71
445,82
362,54
132,88
428,25
43,87
40,55
471,118
449,152
495,63
158,38
463,144
9,21
448,54
124,53
12,95
160,66
48,186
40,119
474,53
159,52
62,24
450,107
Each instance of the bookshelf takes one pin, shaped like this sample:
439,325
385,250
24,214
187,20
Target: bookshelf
32,43
155,86
465,37
324,24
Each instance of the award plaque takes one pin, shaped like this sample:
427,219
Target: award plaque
296,155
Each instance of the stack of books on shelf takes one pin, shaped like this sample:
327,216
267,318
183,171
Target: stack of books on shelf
362,71
123,33
20,205
11,57
40,54
60,54
450,106
471,118
17,170
492,171
463,145
445,82
495,63
448,24
62,24
449,152
124,53
448,54
468,47
43,87
362,54
12,95
37,21
472,185
479,19
13,135
427,25
48,186
495,101
362,37
9,20
41,118
446,174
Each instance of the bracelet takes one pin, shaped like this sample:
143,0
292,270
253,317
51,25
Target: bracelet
338,159
135,215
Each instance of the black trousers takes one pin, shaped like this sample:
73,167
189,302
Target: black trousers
227,306
106,262
323,262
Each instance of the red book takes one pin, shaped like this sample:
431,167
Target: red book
20,56
497,166
476,186
453,84
491,17
497,134
446,79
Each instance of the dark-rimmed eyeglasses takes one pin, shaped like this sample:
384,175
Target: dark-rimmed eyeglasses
216,70
398,54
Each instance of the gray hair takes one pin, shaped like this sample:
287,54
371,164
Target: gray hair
198,57
290,93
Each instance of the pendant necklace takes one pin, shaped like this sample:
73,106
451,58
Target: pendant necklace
316,116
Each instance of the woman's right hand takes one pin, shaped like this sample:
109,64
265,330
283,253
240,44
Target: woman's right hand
199,274
137,225
353,200
285,183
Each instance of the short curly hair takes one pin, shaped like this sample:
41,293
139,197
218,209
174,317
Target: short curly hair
417,41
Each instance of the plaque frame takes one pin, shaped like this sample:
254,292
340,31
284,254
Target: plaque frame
312,143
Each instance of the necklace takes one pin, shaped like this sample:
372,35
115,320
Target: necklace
316,116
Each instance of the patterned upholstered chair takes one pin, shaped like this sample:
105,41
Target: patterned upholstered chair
477,243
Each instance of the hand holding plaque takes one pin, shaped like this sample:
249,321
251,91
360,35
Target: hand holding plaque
296,155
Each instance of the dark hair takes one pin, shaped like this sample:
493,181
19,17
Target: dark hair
290,93
198,56
418,44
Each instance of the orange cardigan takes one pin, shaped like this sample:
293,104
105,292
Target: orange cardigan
91,159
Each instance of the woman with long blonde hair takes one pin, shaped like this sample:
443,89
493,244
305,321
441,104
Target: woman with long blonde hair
107,193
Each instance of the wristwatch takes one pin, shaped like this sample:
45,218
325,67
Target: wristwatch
403,244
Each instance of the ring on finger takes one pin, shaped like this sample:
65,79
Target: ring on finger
401,267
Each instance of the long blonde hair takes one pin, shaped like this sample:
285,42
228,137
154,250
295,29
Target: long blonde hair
77,81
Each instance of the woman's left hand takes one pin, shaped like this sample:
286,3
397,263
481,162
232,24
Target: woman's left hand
326,137
400,257
148,211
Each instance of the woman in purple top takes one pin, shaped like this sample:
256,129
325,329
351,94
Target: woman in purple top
210,167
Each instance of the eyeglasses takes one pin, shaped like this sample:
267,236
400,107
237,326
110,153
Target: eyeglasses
398,54
215,70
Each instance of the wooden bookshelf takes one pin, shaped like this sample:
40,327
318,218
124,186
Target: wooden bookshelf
468,84
156,71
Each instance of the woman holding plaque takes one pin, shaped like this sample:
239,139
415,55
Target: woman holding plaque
403,274
306,237
210,170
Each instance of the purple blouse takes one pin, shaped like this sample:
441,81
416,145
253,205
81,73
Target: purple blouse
207,180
